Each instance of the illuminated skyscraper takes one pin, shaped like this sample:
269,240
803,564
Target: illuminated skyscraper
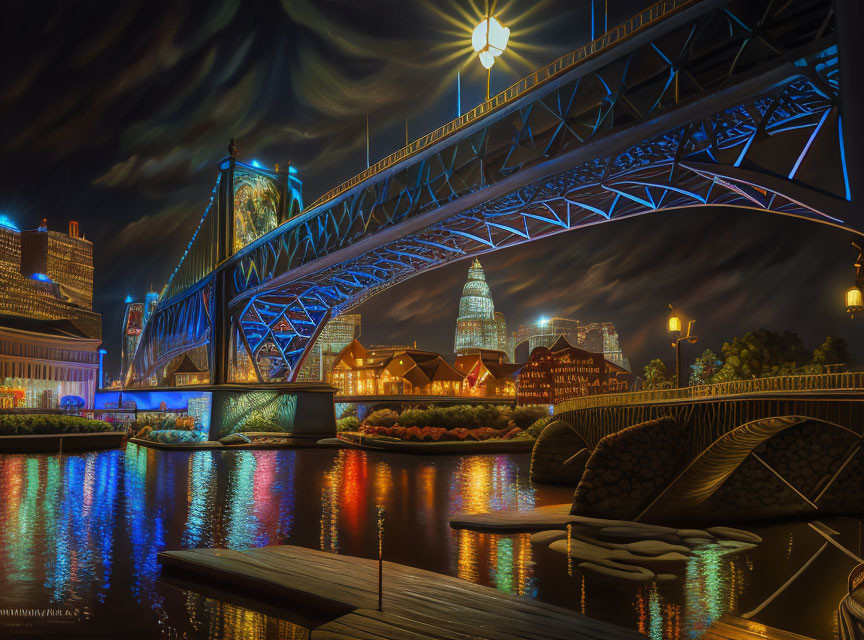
47,275
478,326
49,335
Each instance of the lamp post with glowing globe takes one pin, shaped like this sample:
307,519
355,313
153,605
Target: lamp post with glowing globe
854,295
489,40
674,326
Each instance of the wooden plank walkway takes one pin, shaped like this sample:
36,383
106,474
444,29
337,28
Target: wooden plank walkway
418,604
730,627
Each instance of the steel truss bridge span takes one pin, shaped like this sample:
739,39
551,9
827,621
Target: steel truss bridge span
706,103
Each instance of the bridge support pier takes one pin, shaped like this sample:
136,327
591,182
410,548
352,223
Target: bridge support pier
305,410
849,16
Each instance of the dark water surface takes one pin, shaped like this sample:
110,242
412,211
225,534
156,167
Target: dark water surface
79,536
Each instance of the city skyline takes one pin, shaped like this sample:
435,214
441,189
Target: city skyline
382,284
138,187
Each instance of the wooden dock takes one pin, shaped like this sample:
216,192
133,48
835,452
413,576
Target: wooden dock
731,627
342,593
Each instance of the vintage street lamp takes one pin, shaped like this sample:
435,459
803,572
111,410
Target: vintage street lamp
674,325
489,40
854,301
854,296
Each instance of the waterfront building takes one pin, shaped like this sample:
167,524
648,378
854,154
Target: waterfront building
487,373
597,337
360,371
336,335
49,334
562,371
42,361
478,326
48,275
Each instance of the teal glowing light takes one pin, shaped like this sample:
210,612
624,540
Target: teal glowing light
7,223
543,321
256,164
128,299
41,277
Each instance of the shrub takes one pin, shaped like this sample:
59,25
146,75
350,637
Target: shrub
27,424
461,416
526,415
382,418
538,426
349,423
409,418
259,423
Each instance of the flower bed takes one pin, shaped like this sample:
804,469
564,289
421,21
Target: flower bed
440,434
41,424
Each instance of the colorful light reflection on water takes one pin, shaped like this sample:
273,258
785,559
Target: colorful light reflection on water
80,534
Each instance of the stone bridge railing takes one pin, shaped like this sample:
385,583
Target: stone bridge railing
841,381
712,410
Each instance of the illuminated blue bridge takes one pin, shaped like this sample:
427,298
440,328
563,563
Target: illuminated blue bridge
691,103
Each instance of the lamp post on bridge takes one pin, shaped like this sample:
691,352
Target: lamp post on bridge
674,325
854,295
489,39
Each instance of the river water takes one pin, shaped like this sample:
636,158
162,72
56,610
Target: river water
79,536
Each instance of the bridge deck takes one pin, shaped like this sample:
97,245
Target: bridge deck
418,604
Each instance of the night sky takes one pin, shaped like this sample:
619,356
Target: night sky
115,114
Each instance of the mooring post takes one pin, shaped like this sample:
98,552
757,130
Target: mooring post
380,555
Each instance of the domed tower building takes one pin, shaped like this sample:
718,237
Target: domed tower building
478,326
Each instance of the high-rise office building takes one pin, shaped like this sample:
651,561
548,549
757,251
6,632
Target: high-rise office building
478,325
47,275
49,335
596,337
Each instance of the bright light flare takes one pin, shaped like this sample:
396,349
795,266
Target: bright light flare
489,40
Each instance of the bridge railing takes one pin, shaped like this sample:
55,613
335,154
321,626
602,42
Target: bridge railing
846,380
563,64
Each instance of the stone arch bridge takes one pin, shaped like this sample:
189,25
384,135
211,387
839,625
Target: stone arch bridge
710,411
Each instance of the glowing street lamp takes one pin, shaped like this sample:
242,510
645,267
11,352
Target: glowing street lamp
674,326
854,301
489,40
674,323
854,296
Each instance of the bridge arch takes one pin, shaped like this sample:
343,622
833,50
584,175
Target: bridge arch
707,472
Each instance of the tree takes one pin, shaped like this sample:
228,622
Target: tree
656,376
705,368
763,353
834,351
